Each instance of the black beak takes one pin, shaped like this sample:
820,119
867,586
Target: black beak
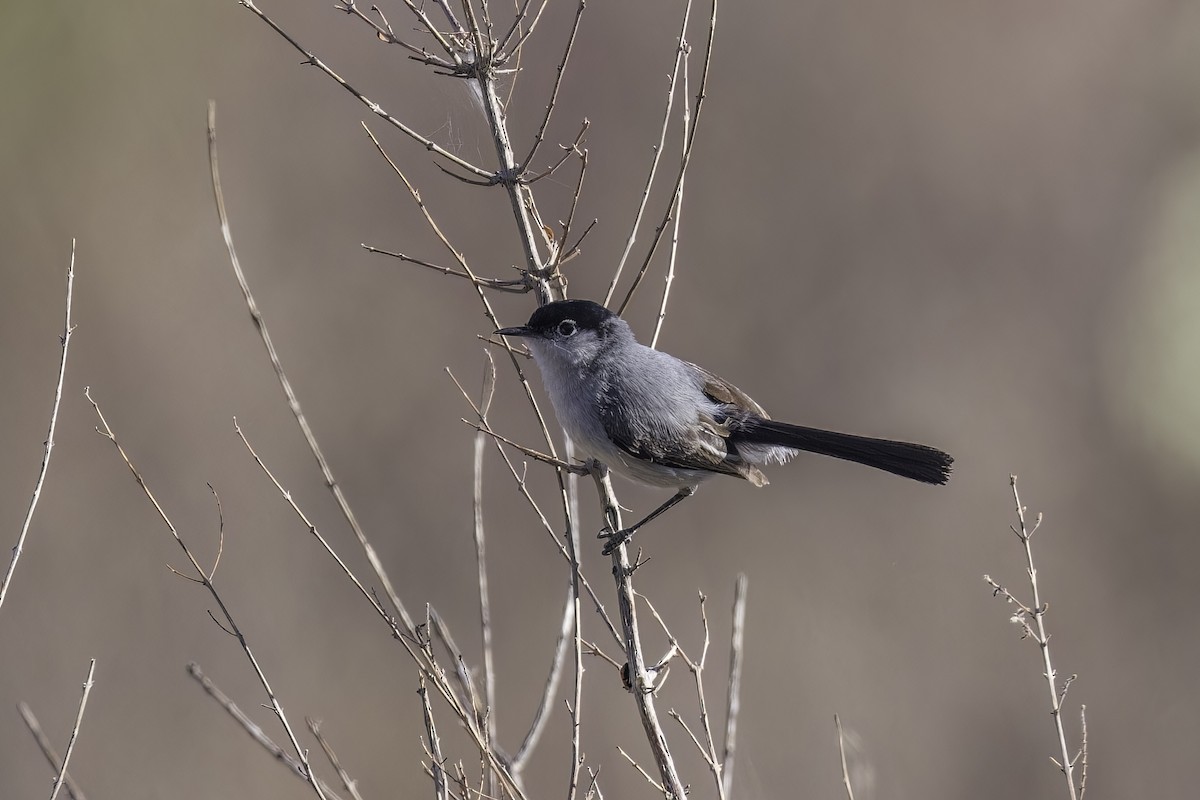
520,330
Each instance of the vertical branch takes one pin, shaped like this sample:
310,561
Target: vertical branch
641,681
62,771
68,329
485,609
1032,619
677,204
733,696
837,721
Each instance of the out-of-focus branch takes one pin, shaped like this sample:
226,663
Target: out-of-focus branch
733,703
68,329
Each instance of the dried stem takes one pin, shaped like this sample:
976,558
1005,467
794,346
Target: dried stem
293,402
251,727
349,783
684,161
641,679
1033,622
658,151
65,339
733,693
301,752
485,609
43,743
62,770
375,108
837,721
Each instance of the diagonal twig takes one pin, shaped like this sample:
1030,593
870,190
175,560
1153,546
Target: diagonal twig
65,339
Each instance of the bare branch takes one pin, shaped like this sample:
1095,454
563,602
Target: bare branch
512,286
540,136
640,678
485,609
62,770
684,161
293,402
105,431
43,743
837,721
68,329
733,695
1032,619
251,727
349,783
658,151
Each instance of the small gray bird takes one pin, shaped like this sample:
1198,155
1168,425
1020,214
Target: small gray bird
666,422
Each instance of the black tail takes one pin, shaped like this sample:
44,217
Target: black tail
905,459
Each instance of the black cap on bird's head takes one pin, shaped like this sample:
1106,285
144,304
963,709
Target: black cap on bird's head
562,316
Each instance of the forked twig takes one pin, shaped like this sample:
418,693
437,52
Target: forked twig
375,108
104,430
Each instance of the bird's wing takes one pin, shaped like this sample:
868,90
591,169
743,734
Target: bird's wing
701,447
720,390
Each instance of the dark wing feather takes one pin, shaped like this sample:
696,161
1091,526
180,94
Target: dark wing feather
702,448
720,390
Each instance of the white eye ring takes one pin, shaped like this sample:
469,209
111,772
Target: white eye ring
567,327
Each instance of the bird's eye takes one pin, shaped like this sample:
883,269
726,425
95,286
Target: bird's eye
567,327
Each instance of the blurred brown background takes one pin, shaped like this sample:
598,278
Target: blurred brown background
972,224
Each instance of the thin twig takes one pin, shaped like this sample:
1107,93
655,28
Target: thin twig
301,753
62,770
462,707
485,609
349,783
375,108
658,151
733,695
65,340
677,202
540,136
435,744
293,402
1032,619
511,286
252,728
43,743
837,721
684,161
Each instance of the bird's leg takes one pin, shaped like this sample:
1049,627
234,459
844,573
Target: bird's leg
618,538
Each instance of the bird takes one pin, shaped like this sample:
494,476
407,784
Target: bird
666,422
